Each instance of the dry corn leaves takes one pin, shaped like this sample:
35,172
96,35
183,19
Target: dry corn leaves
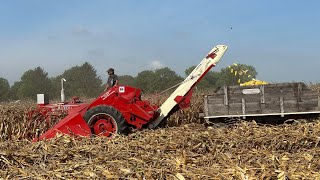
16,121
22,120
184,116
193,151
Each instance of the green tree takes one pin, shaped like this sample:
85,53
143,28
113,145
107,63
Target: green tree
165,78
55,87
158,80
127,80
208,81
13,94
237,74
4,89
82,81
145,81
33,82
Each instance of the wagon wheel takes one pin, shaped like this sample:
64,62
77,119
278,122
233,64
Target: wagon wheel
105,121
231,121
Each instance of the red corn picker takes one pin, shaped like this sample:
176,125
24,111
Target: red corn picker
121,106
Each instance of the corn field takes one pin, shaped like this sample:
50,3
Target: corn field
186,149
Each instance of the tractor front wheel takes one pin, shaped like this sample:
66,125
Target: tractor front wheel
105,121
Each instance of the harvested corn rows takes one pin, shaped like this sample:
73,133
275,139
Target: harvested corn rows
187,151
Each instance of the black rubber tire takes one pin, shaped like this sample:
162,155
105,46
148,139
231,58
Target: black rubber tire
109,110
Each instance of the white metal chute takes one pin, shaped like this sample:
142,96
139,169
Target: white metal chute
212,58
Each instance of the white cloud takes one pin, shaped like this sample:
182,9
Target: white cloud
156,65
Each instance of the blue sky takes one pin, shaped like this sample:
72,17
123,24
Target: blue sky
279,38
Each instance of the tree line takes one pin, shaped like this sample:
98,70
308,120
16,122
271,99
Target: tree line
83,81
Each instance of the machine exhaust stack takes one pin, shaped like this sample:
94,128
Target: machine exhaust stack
63,97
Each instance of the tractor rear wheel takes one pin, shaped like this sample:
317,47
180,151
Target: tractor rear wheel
105,121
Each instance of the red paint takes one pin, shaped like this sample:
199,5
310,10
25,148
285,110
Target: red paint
211,55
73,124
105,127
213,65
184,101
135,111
125,99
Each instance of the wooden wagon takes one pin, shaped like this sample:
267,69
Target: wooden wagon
281,99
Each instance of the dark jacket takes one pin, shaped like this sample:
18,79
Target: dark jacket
112,80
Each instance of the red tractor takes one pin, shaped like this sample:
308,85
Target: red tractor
121,106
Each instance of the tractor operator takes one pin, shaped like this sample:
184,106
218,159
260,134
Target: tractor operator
113,79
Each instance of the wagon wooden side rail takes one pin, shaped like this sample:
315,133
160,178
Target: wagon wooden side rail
279,99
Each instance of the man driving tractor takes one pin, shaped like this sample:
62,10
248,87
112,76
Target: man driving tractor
113,79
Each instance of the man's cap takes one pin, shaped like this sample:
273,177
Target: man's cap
110,70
